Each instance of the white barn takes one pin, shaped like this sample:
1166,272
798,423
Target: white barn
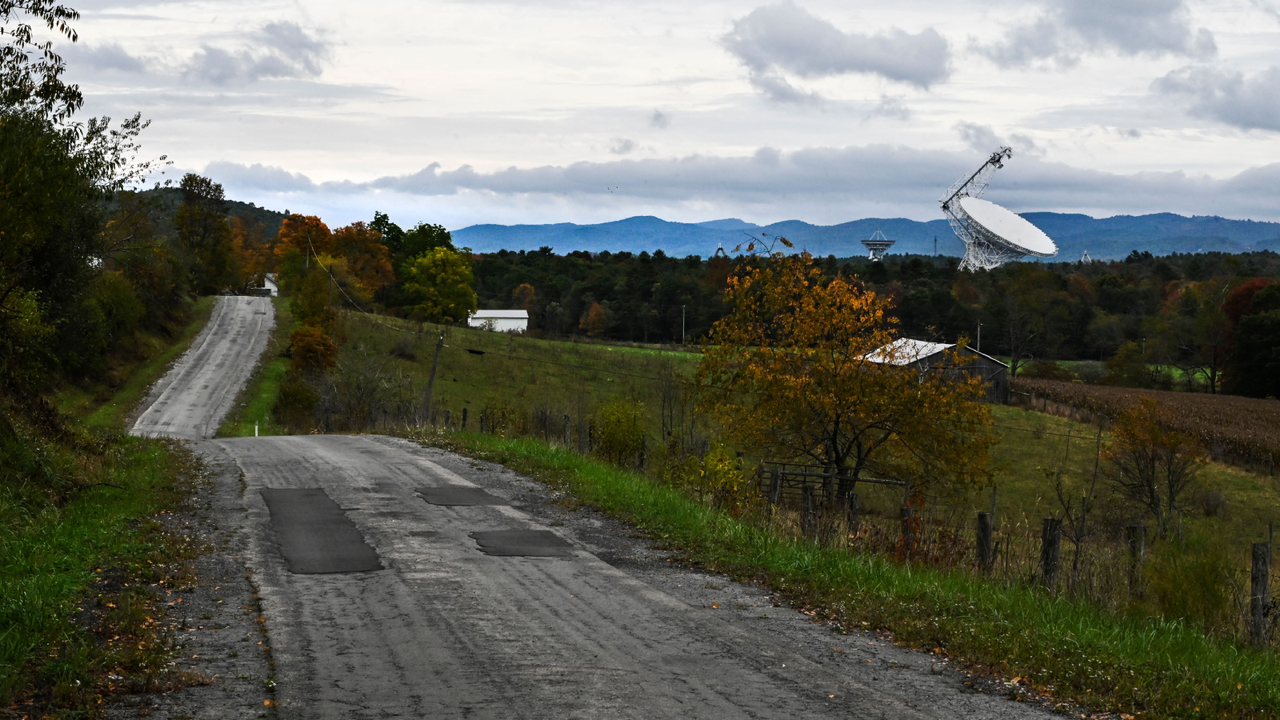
500,320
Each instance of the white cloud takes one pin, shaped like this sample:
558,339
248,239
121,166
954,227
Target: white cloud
785,38
1067,29
1249,103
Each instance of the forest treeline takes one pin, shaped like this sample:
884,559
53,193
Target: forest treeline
1206,322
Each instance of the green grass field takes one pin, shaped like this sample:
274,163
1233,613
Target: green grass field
574,378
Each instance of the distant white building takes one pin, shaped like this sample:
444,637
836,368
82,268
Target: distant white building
500,320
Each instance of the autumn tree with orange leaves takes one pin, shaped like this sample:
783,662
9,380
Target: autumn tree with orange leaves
803,369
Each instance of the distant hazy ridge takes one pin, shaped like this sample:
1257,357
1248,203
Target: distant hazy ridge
1114,237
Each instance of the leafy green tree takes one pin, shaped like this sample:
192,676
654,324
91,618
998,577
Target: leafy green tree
423,238
30,71
438,286
205,231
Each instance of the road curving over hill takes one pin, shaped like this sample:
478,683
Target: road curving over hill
192,399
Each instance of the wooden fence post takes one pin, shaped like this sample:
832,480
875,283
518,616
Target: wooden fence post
851,517
1136,538
568,435
464,419
907,515
775,487
448,420
986,542
809,520
1050,552
1260,594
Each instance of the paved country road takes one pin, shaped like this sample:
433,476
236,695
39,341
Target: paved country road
397,581
192,399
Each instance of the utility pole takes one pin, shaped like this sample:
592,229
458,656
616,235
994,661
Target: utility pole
682,324
979,336
431,383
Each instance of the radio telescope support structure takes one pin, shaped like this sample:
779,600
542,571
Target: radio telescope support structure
984,249
877,246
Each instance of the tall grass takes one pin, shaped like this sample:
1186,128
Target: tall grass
1070,649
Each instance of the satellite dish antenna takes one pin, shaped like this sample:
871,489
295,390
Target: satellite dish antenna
877,246
991,234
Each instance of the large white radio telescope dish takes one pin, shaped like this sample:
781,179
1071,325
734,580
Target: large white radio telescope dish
992,235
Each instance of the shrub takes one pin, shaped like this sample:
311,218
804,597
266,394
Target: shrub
312,350
619,432
1090,371
1046,370
295,404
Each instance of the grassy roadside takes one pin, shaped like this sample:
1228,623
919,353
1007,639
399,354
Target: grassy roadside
258,397
76,584
83,548
100,407
1062,648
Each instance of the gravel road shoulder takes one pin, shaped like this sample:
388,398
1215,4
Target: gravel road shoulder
216,621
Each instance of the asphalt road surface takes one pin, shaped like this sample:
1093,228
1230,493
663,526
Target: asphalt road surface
192,399
397,581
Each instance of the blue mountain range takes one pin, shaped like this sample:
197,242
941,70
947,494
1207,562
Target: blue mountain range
1103,238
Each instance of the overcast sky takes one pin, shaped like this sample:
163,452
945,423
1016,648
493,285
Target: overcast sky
545,111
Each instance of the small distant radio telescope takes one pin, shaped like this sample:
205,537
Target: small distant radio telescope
877,246
992,235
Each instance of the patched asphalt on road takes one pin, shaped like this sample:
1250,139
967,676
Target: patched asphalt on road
315,536
522,543
452,495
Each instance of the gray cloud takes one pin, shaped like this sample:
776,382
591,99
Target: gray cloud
621,146
979,137
109,56
774,39
984,139
277,50
258,177
775,88
861,177
892,107
659,120
1066,29
1227,96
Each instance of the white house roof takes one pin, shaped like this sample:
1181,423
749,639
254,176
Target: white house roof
501,315
905,351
